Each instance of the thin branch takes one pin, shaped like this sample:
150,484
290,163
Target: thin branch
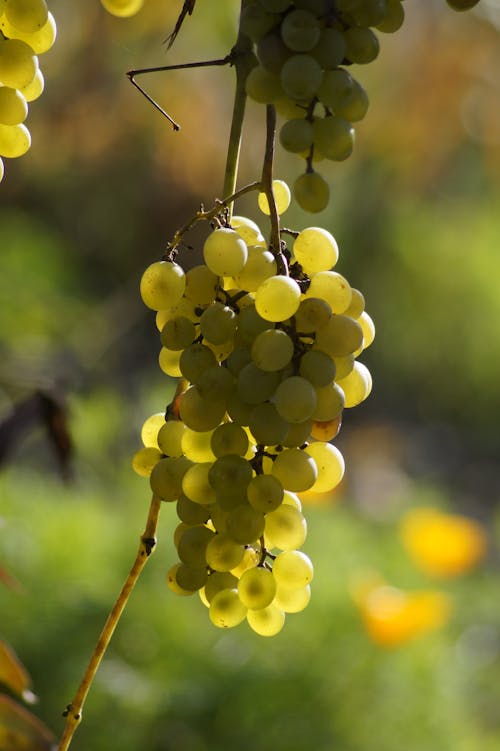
267,187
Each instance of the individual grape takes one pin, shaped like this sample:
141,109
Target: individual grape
353,106
326,430
260,266
150,428
265,493
333,288
167,476
317,367
247,229
293,569
316,250
282,196
195,360
144,460
266,424
255,385
40,41
224,252
218,517
462,4
272,350
329,51
245,524
199,413
313,313
229,438
172,583
263,86
250,324
179,531
292,499
223,553
169,437
178,333
296,135
230,472
196,486
311,192
334,137
357,385
361,12
285,528
221,351
394,17
190,512
15,140
300,30
162,285
330,402
343,365
362,45
289,108
295,470
216,383
301,77
368,329
168,361
272,52
336,87
13,106
297,434
201,285
218,323
122,8
357,304
292,600
190,578
26,15
226,609
277,298
341,336
183,308
267,621
251,558
217,581
193,544
330,464
35,88
256,588
295,399
195,445
255,22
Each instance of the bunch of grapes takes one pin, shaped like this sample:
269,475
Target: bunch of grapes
265,345
27,29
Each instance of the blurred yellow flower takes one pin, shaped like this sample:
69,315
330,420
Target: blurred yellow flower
442,544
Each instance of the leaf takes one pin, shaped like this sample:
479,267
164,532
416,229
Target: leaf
13,674
20,730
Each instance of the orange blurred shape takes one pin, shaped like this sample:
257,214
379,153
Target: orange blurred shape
393,617
443,544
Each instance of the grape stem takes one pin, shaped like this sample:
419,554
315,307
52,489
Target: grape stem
267,187
73,711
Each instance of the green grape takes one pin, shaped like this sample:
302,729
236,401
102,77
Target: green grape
179,531
297,434
218,580
301,77
196,486
295,470
218,517
313,313
300,30
282,195
362,45
26,15
341,336
226,609
221,351
15,140
201,285
285,528
272,52
169,437
216,383
193,544
251,558
296,135
333,288
199,413
122,8
223,553
316,250
330,402
230,472
178,333
462,4
190,512
330,48
247,229
162,285
196,445
238,410
267,621
343,365
357,385
330,464
317,367
265,493
239,357
18,63
172,584
167,476
272,350
229,438
275,6
224,252
335,88
292,569
13,106
190,578
183,309
291,499
168,361
194,360
362,12
277,298
256,588
145,459
260,265
245,524
311,192
263,86
353,106
255,385
218,323
394,17
288,108
150,428
40,41
368,329
228,498
292,600
357,304
266,425
34,89
334,137
295,399
255,22
250,324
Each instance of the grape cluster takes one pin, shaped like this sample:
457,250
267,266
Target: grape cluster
303,50
268,363
27,29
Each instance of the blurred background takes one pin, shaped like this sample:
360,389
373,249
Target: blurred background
416,213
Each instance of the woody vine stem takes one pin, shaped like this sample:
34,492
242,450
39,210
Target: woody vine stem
242,60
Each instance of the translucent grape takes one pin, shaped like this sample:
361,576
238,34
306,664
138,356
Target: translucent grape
13,106
196,486
311,192
300,30
194,360
35,88
230,472
26,15
199,413
144,460
223,553
357,385
168,361
178,333
265,493
245,524
330,464
266,424
333,288
190,512
295,470
277,298
297,434
313,313
357,304
192,545
282,196
327,429
293,569
250,324
301,77
196,445
292,600
162,285
166,477
172,583
256,588
368,329
295,399
260,265
201,285
15,140
150,428
40,41
122,8
285,528
330,402
225,252
272,350
316,250
247,229
317,367
226,609
229,438
267,621
341,336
